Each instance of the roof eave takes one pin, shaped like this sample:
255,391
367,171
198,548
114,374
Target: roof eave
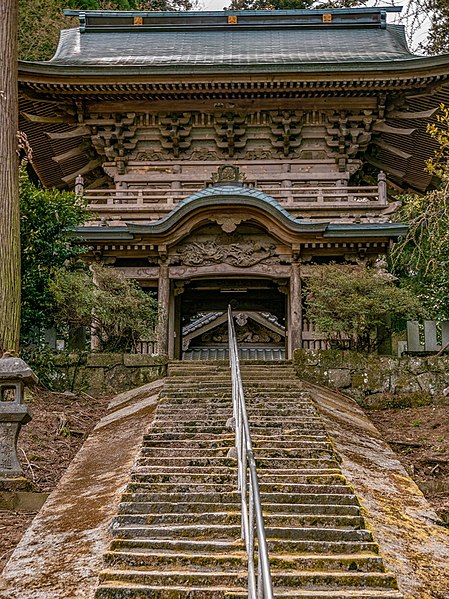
419,67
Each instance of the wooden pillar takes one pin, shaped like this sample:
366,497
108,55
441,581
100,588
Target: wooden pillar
178,290
171,326
295,316
163,296
9,183
95,342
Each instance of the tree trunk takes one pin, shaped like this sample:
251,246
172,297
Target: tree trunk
9,192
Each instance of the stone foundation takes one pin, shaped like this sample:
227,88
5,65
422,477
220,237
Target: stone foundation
108,373
377,381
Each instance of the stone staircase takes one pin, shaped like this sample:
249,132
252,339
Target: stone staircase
177,533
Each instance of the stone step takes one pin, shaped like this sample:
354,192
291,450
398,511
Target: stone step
209,412
269,428
234,517
119,590
276,499
312,451
283,593
148,507
224,463
229,477
282,546
113,590
215,387
315,580
281,401
192,395
138,484
232,532
154,558
223,395
229,441
224,421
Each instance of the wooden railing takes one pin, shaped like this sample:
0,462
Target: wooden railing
161,190
119,199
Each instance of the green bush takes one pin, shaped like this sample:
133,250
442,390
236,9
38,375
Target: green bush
349,303
120,310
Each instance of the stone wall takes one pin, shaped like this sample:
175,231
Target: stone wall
108,373
377,381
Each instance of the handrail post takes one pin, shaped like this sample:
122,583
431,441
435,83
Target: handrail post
248,484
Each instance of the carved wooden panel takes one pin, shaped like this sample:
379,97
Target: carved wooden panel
217,136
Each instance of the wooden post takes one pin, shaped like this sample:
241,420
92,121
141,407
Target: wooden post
9,184
163,296
171,326
382,187
295,320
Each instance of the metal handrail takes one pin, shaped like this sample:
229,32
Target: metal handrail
248,483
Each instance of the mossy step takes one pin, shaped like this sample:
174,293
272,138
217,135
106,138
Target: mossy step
302,491
175,439
317,534
224,421
175,546
167,437
231,532
142,557
119,590
139,558
232,517
266,430
215,385
114,590
288,400
223,517
181,462
174,499
228,441
306,451
310,508
311,476
275,499
226,478
157,507
180,487
228,482
317,519
183,531
146,507
316,580
281,546
226,412
222,463
221,450
280,593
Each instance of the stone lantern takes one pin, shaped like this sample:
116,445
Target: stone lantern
15,374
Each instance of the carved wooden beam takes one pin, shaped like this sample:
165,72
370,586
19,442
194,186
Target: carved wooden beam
78,132
38,118
385,128
70,153
386,146
424,114
86,169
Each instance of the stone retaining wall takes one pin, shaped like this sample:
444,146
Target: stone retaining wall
377,381
108,373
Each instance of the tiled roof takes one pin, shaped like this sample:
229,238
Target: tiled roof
231,47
